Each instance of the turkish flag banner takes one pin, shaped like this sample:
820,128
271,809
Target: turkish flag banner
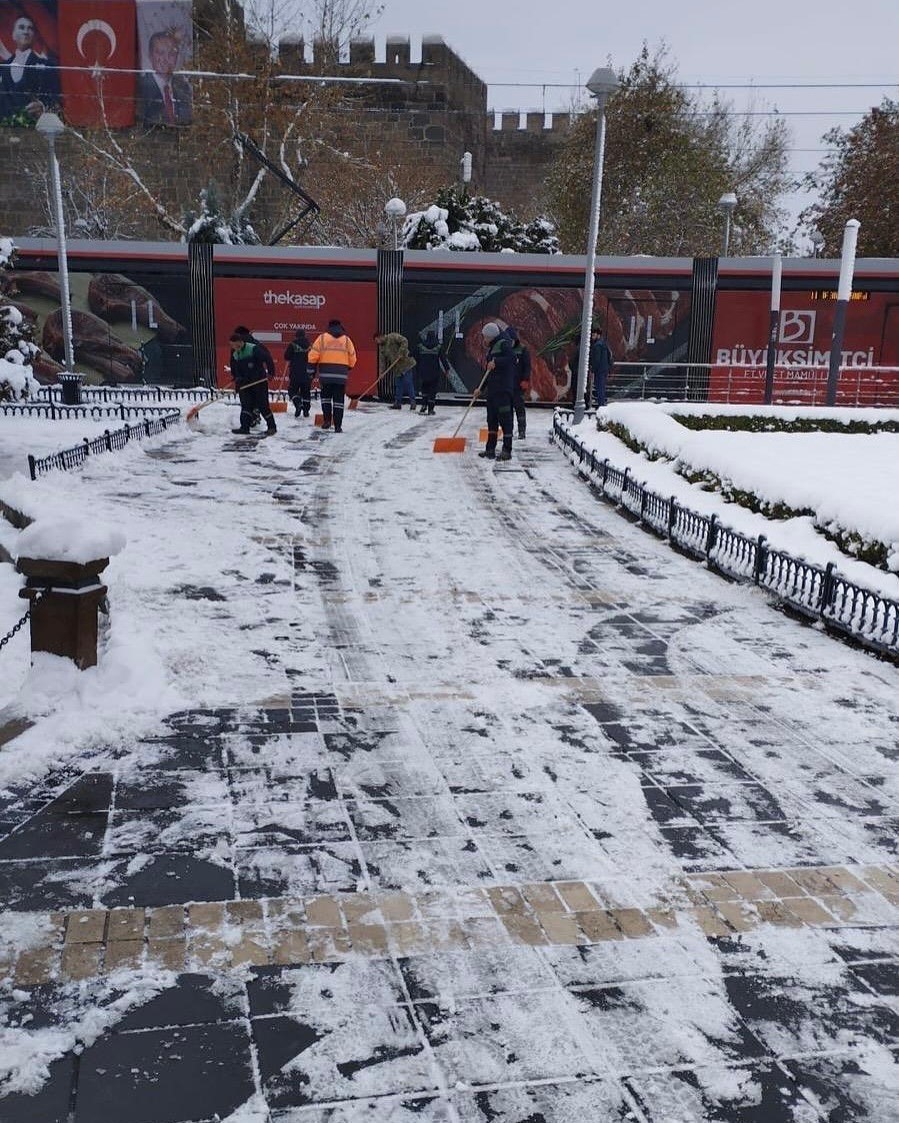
98,52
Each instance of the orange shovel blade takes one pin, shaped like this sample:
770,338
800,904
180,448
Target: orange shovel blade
319,420
354,403
279,407
449,444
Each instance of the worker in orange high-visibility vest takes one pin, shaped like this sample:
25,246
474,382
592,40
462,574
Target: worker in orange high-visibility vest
333,356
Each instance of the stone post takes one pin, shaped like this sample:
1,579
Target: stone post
65,597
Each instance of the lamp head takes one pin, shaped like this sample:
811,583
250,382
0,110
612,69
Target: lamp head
50,126
603,82
395,208
728,201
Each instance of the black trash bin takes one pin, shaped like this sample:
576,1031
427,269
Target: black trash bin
71,389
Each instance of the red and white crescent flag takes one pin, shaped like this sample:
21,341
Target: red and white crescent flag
98,52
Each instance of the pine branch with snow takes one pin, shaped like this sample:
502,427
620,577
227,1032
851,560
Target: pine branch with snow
459,221
210,225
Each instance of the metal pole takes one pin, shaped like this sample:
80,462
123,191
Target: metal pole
589,279
844,293
726,248
63,259
776,273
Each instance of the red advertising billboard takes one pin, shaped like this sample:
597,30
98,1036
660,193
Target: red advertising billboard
802,361
274,310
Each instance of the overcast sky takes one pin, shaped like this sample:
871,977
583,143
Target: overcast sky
711,41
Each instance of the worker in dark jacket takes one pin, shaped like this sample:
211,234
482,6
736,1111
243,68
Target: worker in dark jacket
430,363
502,367
601,363
250,374
300,386
267,359
521,383
334,356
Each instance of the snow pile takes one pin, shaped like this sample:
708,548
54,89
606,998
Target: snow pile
846,481
458,221
7,249
70,540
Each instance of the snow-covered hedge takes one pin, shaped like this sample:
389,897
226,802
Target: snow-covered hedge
840,467
17,382
459,221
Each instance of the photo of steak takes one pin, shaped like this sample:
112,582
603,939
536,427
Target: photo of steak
116,298
36,284
94,345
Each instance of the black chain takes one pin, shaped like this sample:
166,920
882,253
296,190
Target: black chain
21,624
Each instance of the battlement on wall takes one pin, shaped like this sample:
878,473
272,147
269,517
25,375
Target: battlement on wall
439,62
528,121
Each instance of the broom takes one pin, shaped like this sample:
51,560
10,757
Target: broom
191,415
455,443
354,402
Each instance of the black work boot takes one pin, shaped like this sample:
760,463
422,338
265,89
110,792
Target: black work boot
504,455
396,405
243,432
487,454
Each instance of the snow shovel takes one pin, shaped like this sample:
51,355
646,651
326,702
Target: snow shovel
354,402
455,443
191,416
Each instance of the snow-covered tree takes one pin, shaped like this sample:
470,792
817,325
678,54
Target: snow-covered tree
16,346
670,156
210,225
859,178
457,220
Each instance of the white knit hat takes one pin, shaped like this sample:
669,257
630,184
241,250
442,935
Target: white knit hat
490,331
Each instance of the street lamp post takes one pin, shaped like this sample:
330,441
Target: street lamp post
602,84
50,126
817,240
844,295
395,209
728,204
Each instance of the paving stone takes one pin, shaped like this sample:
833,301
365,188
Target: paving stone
37,966
125,924
291,947
409,938
446,935
166,921
881,879
739,916
397,906
209,916
86,927
506,899
485,932
632,922
810,911
122,953
844,880
710,921
780,883
250,951
560,928
368,939
598,926
523,930
243,911
576,896
81,961
360,908
812,881
170,953
777,912
327,944
843,908
323,912
542,898
749,887
663,919
714,887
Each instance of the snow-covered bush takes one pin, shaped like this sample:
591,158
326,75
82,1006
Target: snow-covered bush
459,221
17,382
210,225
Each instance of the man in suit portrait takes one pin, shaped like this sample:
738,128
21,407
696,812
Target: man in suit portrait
29,81
165,97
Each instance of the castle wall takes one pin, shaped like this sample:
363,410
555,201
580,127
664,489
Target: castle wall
432,112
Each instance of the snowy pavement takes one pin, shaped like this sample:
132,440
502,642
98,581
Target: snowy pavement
479,804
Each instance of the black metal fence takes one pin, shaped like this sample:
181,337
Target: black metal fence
820,594
135,397
106,442
56,412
